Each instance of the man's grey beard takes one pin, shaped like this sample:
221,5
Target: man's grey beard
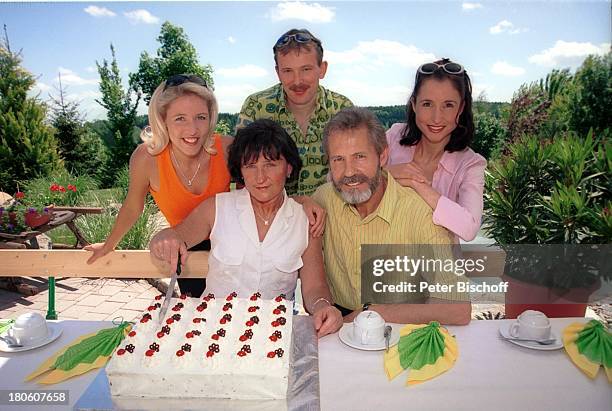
354,196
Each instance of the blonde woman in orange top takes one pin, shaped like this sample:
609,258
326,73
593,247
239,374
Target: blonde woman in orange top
181,163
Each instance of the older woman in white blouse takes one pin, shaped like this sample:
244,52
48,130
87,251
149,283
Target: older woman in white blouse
259,237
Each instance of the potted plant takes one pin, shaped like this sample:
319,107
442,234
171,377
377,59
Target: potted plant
548,205
11,221
18,215
37,217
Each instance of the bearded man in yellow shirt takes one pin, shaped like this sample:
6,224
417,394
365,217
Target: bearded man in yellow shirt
365,205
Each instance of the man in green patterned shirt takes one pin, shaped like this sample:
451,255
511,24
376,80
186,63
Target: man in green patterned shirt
299,104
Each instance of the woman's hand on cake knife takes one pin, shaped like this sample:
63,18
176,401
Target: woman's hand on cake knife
166,246
327,320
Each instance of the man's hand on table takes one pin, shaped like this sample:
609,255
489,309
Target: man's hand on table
327,320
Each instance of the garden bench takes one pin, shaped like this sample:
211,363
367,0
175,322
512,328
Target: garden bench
27,239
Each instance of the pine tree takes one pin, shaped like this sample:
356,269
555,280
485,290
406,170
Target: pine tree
82,151
121,113
28,148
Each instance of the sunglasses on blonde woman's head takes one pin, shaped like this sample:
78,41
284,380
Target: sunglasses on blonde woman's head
448,67
179,79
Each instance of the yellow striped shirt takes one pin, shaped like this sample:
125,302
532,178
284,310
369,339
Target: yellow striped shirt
402,217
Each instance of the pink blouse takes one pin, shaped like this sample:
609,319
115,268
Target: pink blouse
459,179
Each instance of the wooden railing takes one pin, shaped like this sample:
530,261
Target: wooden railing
73,263
141,264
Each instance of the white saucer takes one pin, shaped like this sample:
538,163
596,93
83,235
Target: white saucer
54,332
504,331
346,336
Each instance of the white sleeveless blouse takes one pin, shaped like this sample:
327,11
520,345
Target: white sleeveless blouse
239,262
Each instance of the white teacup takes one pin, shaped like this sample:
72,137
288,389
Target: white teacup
369,328
531,325
29,328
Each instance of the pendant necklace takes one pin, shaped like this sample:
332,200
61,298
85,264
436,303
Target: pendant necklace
178,166
266,221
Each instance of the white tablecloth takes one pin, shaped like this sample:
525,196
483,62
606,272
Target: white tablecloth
14,367
490,374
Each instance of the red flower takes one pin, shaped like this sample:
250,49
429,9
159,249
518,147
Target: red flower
72,187
62,189
54,187
19,195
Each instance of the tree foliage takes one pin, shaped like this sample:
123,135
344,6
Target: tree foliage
28,148
533,104
589,103
387,115
528,111
82,151
121,113
563,103
489,134
175,55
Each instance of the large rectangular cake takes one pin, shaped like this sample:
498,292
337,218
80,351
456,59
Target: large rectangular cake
226,347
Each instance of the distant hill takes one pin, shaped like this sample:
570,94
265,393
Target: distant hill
388,115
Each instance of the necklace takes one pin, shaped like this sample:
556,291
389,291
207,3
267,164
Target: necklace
266,221
178,166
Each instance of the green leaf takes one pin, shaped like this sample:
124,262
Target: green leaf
5,325
421,347
88,350
595,343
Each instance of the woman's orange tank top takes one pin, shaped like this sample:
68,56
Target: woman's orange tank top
173,199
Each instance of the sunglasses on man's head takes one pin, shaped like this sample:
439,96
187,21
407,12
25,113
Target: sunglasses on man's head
297,37
179,79
450,68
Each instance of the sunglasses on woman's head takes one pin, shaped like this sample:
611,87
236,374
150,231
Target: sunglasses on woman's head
179,79
299,37
450,68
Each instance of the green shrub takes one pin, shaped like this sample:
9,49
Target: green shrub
554,192
489,135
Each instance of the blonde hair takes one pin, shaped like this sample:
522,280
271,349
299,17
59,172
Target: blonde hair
156,135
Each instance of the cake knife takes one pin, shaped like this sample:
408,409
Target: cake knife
170,291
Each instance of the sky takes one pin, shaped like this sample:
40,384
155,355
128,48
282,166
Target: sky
373,47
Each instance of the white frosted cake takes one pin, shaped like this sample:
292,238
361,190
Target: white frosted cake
226,347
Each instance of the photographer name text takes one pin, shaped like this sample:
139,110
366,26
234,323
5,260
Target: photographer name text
424,286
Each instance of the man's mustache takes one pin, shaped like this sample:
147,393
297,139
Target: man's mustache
354,179
299,88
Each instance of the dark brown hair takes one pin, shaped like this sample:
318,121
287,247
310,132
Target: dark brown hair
463,134
262,137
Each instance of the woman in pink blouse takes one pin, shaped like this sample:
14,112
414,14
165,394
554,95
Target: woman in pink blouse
430,152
